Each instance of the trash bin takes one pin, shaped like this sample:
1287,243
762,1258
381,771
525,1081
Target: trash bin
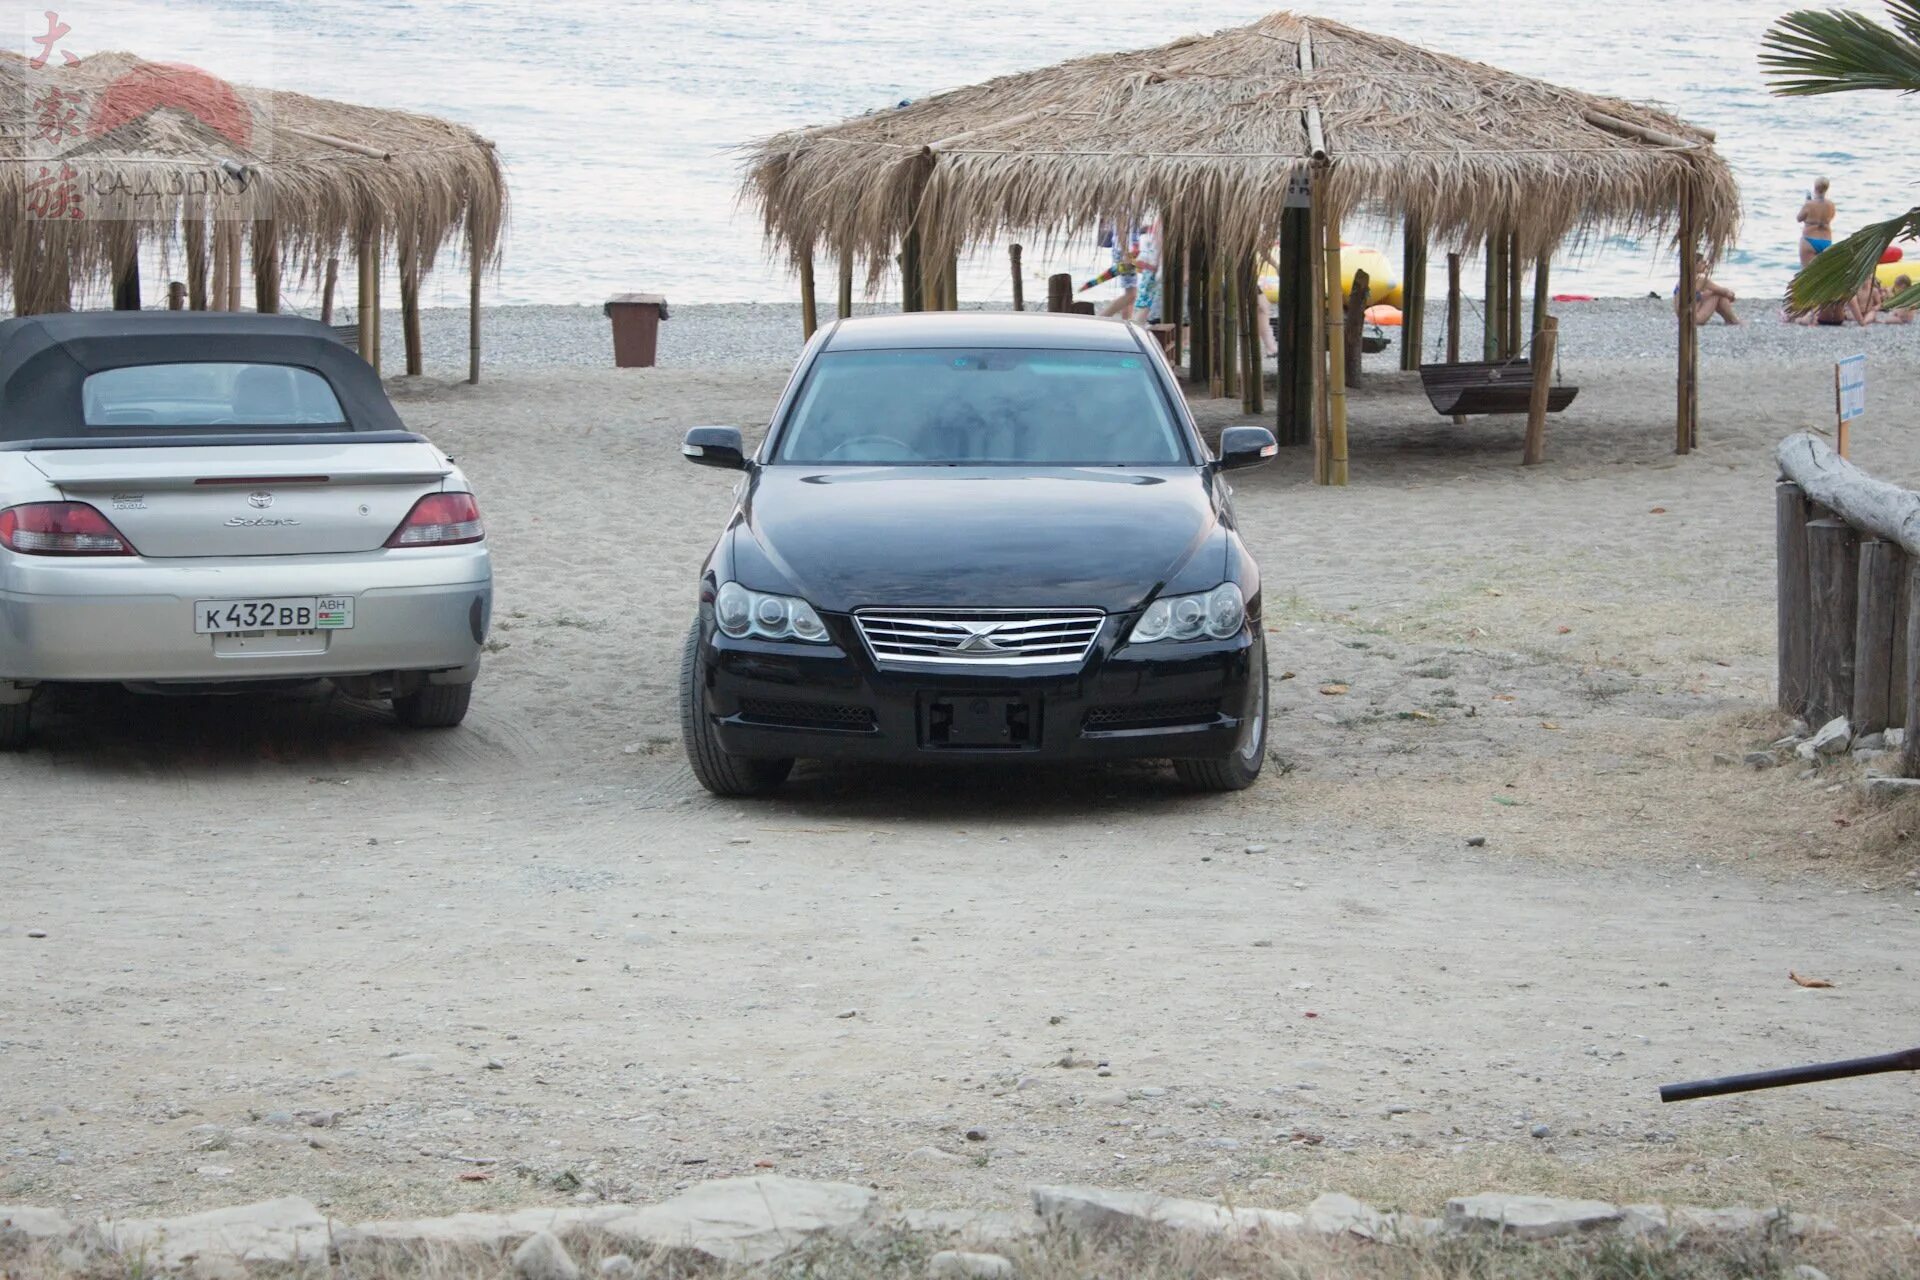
636,328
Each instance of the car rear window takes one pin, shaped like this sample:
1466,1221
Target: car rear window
975,406
209,394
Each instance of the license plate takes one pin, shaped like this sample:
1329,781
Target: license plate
273,613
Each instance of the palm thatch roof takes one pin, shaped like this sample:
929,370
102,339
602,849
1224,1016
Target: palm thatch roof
1208,130
153,153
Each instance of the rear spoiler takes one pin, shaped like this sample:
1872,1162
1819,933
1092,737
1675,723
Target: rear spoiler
102,441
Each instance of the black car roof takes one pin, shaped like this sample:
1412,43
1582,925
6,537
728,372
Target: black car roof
45,359
1038,329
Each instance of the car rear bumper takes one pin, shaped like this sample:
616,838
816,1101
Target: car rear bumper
832,702
131,619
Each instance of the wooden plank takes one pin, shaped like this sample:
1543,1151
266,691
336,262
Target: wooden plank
1873,639
1534,452
1833,575
1792,637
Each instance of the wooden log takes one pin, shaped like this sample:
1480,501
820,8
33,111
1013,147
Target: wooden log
1492,327
1229,303
1173,283
1880,569
1516,278
1534,452
1453,318
1871,505
1317,339
1910,750
844,302
1293,388
1336,355
1833,565
1199,355
266,267
410,311
1019,280
126,284
1059,292
234,259
176,296
326,290
195,234
1898,678
913,287
1354,325
950,283
1410,268
1541,294
1216,338
475,265
1684,428
367,301
222,266
1792,637
809,319
1255,379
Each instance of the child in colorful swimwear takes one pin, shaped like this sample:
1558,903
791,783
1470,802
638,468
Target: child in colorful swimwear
1125,243
1898,315
1816,223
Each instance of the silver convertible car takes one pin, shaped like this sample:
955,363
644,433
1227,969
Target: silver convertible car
205,502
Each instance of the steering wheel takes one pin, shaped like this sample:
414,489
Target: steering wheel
900,448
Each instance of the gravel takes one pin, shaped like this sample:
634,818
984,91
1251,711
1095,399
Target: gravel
725,335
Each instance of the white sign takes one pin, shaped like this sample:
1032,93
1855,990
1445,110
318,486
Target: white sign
1299,192
1850,377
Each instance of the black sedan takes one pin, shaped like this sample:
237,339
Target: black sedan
978,537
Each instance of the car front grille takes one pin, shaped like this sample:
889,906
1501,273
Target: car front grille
978,637
807,715
1151,715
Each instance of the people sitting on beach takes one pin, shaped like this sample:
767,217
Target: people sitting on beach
1898,315
1816,223
1711,298
1864,307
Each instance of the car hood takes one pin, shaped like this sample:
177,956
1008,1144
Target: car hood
975,537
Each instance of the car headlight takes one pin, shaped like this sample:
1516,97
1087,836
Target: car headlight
740,613
1217,614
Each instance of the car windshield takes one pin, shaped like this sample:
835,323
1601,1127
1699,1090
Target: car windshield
982,406
209,394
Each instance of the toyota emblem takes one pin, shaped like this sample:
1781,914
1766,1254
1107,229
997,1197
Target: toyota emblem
260,501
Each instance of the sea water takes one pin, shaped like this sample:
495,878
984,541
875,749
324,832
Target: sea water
620,122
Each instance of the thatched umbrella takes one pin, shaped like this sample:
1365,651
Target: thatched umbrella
1212,131
111,153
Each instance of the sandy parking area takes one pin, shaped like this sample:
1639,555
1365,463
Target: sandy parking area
535,941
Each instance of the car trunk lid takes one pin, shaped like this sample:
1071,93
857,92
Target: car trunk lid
305,499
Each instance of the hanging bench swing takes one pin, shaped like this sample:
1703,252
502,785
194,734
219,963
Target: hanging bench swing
1488,387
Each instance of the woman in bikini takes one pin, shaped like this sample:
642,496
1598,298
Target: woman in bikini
1816,223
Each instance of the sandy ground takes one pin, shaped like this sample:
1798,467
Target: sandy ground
535,941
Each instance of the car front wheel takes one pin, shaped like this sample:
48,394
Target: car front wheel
1237,771
717,771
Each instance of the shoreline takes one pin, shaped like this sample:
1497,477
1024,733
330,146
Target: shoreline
720,335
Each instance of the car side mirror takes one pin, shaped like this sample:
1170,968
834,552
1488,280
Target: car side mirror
716,447
1245,447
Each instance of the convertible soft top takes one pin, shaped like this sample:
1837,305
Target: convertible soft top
45,359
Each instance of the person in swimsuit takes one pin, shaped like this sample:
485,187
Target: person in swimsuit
1898,315
1816,223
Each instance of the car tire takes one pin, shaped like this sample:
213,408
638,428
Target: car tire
434,706
716,770
16,726
1238,771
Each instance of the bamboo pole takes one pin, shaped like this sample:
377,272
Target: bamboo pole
474,267
1413,293
222,267
1534,451
1453,318
844,303
808,319
1795,608
326,290
234,280
410,309
195,234
1019,280
1336,355
1322,384
266,267
1516,280
368,300
1353,322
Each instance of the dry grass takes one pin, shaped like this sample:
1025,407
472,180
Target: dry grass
1058,1255
1207,130
429,183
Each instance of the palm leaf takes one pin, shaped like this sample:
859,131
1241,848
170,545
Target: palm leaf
1812,51
1842,270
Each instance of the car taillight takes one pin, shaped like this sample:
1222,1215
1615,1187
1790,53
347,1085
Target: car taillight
440,520
60,529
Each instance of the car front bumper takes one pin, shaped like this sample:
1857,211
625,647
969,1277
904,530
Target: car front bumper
777,700
130,619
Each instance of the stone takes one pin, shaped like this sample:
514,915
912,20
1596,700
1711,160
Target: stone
1648,1220
1541,1131
286,1230
1723,757
541,1256
1092,1210
952,1264
464,1230
1528,1217
976,1135
1334,1214
937,1157
1721,1222
1834,737
617,1266
1807,1271
1889,788
1896,738
25,1222
1476,842
980,1226
745,1220
1759,759
1256,848
1870,742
